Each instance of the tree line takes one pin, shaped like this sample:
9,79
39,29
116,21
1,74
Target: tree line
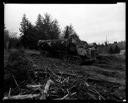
109,48
44,28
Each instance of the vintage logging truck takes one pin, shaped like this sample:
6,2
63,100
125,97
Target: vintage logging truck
71,50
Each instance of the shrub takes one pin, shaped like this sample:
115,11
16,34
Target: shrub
19,66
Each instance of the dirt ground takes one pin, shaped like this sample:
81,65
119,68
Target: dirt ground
106,75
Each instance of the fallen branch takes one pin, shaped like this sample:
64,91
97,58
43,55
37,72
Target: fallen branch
46,88
33,86
73,93
15,81
62,97
44,92
53,73
66,96
86,84
100,96
9,93
27,96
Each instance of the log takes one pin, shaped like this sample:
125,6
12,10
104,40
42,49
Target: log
44,92
42,95
46,89
27,96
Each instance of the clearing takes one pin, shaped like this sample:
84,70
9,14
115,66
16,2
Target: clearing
105,79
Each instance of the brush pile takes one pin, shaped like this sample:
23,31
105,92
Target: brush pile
36,83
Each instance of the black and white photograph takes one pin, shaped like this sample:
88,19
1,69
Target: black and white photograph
64,51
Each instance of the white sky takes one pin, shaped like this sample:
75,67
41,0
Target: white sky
92,22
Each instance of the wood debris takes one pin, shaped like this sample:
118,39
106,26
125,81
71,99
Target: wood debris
58,84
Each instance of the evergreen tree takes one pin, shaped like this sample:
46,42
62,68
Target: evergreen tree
47,28
54,30
39,21
32,36
51,27
39,28
66,32
71,30
24,25
25,29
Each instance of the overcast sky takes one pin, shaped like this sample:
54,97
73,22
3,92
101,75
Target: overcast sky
92,22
